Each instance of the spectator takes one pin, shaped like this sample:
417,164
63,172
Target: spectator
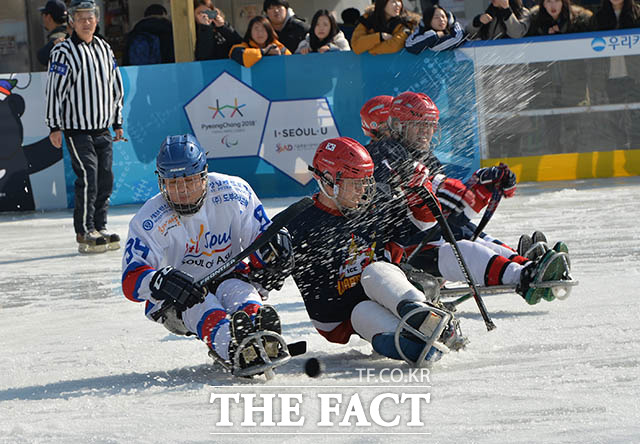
383,28
350,18
151,39
214,36
502,19
54,19
438,30
558,17
84,97
260,40
290,28
324,35
614,79
616,14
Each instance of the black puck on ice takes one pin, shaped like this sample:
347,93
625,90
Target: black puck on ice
312,367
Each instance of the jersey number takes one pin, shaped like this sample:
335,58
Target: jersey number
138,246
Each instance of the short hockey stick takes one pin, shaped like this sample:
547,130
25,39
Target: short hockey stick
279,221
432,203
488,213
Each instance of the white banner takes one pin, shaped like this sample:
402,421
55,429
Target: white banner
227,117
293,131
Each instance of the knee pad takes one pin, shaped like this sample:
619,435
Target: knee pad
387,285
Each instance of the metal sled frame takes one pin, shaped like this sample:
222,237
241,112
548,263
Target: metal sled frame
500,289
269,364
430,341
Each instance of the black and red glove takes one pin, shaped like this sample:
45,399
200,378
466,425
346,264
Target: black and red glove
497,176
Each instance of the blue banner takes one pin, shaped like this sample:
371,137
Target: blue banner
158,100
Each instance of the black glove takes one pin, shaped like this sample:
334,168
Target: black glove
274,262
265,50
176,287
500,176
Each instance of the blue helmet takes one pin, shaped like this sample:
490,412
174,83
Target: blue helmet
182,173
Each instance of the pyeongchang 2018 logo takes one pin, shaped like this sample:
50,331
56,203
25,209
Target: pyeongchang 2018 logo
219,110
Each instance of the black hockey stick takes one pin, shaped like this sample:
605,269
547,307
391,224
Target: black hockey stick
488,213
432,203
279,220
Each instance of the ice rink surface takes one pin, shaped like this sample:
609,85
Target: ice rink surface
80,363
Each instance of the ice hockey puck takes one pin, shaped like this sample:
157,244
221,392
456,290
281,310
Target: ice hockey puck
312,367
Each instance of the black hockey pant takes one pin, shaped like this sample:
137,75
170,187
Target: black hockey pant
91,157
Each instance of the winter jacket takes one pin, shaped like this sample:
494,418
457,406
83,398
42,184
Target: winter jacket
604,21
423,38
43,53
293,31
367,38
578,21
248,54
338,43
158,26
504,24
213,43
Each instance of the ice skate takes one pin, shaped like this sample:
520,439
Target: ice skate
267,319
423,333
536,251
91,243
534,246
247,351
538,236
524,243
551,267
112,239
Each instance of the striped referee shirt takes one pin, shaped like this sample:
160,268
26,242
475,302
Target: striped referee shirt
84,88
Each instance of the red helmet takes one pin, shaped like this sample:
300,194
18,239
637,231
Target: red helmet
414,106
342,158
375,112
337,160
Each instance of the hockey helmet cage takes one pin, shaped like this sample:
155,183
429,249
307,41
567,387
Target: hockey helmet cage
182,169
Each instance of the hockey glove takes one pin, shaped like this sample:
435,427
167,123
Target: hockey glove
274,262
497,176
176,287
417,192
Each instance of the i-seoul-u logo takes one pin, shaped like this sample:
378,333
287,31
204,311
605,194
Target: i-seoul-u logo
220,110
598,44
229,142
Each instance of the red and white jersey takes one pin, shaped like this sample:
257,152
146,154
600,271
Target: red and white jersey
230,219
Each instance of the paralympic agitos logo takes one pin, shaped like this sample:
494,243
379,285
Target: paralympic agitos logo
231,110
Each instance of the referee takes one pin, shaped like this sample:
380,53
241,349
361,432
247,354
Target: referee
84,97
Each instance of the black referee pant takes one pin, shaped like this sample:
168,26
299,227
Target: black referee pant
91,158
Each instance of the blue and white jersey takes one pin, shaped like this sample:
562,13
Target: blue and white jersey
230,219
423,38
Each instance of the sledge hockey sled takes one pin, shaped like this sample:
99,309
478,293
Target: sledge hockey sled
429,332
561,290
253,345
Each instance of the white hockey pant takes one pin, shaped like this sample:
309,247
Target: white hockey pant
209,319
477,257
386,285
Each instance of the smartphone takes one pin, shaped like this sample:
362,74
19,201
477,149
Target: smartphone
211,13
